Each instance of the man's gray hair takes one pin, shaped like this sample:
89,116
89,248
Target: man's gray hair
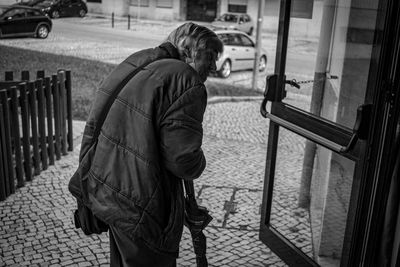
190,38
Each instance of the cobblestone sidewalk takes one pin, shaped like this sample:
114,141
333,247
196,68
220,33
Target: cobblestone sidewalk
36,226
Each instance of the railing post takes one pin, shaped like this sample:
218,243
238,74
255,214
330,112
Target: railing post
40,74
112,20
17,136
5,181
129,22
10,186
56,108
34,127
24,75
42,123
49,115
63,115
3,193
25,132
9,76
68,85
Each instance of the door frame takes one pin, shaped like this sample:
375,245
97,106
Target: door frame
369,190
377,173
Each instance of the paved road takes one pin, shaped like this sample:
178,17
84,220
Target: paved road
300,56
92,37
91,31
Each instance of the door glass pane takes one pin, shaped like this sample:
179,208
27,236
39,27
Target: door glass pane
329,53
311,196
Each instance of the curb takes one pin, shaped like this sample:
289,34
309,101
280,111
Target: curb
221,99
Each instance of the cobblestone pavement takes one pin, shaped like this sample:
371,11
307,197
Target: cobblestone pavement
36,226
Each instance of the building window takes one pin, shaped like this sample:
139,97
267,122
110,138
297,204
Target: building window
164,3
139,2
94,1
238,6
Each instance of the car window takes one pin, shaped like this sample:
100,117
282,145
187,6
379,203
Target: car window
235,39
229,18
245,41
15,13
229,39
246,18
32,13
224,38
2,10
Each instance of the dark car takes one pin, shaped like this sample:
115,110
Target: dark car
24,21
63,8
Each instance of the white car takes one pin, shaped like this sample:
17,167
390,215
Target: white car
234,21
239,53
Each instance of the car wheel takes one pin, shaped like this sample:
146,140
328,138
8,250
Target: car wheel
226,69
263,63
55,14
250,31
42,32
82,13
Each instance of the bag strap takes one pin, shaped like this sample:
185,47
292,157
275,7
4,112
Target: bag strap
106,109
112,98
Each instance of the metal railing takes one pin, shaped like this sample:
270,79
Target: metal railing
35,126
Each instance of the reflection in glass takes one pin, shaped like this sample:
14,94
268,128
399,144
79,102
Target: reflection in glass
330,53
316,226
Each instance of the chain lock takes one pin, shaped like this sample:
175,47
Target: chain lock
294,81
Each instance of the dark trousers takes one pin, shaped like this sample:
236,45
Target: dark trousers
125,252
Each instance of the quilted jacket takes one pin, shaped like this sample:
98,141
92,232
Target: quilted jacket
150,140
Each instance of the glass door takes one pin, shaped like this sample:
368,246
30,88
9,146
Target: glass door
318,103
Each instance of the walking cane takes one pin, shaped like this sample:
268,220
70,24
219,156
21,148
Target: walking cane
196,219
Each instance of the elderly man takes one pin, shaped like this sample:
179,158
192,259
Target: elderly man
149,143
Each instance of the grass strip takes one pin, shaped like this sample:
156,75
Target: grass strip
86,75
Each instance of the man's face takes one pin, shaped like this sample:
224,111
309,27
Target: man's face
204,63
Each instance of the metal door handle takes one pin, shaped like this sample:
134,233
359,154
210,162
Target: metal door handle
360,129
270,91
306,133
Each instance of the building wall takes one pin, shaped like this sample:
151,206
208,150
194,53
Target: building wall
118,7
96,8
177,12
271,17
152,12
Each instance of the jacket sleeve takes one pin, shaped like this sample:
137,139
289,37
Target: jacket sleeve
181,134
